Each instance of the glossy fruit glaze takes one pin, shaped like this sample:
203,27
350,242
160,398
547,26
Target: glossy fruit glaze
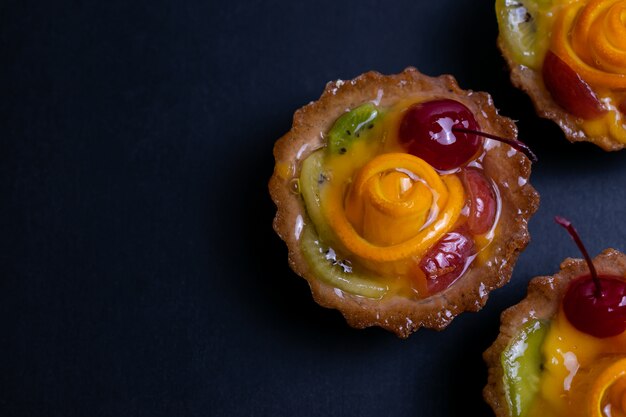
399,198
598,313
580,375
426,131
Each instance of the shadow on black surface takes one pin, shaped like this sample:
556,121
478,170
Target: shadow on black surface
456,366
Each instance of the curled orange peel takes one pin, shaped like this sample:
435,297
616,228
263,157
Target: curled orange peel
397,207
591,38
608,388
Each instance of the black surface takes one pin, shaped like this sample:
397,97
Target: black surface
139,274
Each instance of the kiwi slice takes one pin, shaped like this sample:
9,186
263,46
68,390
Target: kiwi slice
330,268
522,362
312,178
316,239
523,28
350,127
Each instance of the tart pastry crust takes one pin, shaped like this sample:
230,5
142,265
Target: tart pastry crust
508,169
542,302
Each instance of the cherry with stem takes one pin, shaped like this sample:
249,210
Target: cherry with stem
576,237
594,303
445,134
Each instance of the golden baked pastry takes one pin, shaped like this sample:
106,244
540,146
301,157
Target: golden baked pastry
394,207
561,351
569,56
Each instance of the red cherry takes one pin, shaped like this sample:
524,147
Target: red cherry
426,132
446,261
482,200
601,315
569,90
594,304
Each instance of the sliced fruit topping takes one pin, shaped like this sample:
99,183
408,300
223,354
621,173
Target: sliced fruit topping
329,267
590,36
517,20
446,261
350,127
483,205
313,178
605,388
594,304
522,365
370,193
569,90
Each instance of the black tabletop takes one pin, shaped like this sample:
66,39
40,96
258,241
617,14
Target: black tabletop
139,273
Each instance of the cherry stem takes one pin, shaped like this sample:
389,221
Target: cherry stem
574,234
515,144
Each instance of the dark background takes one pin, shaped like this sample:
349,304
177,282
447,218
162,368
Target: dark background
139,273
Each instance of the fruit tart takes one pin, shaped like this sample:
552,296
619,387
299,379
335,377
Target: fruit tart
562,350
569,56
403,199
